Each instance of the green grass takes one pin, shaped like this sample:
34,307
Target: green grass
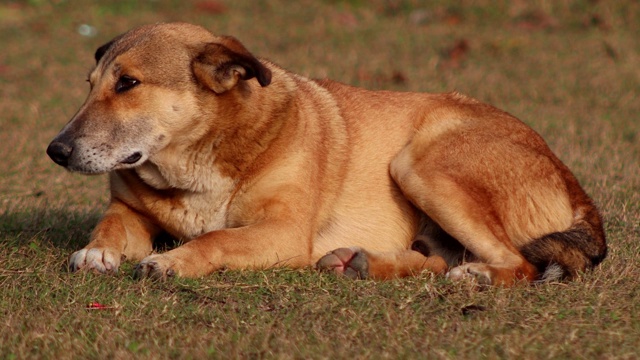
568,68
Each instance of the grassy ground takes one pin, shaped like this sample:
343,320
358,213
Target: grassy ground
571,69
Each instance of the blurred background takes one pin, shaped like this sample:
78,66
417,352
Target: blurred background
569,68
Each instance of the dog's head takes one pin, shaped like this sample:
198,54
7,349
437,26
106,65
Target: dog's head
144,95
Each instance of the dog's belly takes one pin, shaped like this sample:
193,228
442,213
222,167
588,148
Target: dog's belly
376,226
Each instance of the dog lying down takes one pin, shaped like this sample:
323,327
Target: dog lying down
253,166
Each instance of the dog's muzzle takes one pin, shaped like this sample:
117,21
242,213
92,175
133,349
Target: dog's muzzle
59,153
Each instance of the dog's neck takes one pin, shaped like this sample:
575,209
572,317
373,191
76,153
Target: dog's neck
239,134
254,120
151,175
195,172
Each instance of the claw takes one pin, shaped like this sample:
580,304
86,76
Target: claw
144,270
152,269
101,260
474,272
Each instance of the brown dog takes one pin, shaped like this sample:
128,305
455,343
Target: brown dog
253,166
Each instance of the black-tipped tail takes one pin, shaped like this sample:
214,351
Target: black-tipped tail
577,249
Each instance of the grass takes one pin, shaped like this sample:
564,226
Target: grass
568,68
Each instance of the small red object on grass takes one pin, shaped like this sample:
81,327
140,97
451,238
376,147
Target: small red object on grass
97,306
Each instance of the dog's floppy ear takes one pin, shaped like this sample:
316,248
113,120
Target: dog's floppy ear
102,50
220,66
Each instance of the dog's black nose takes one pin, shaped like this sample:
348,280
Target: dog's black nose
59,152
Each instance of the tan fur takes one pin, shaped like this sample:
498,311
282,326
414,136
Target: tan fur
252,166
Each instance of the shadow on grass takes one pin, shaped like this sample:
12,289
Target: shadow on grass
60,227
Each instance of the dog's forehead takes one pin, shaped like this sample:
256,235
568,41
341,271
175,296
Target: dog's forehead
183,33
158,43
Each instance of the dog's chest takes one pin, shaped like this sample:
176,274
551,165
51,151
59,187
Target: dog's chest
196,213
183,212
188,214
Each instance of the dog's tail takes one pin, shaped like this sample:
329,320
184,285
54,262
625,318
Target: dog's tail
565,254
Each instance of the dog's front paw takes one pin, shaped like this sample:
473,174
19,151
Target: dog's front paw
158,266
103,260
350,262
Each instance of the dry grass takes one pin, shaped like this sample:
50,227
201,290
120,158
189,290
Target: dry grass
571,69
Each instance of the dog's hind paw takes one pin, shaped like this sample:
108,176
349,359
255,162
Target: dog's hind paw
474,272
102,260
350,262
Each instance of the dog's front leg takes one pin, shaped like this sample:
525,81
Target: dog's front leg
259,246
121,233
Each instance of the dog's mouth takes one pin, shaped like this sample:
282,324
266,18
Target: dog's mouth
132,159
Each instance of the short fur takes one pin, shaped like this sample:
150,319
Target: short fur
253,166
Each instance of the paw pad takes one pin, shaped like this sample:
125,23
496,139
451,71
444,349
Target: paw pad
350,262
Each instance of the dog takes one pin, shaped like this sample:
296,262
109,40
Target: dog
251,166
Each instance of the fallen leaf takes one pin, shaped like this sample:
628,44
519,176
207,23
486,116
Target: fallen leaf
347,19
398,77
453,19
597,21
536,20
472,309
212,7
454,55
459,50
610,51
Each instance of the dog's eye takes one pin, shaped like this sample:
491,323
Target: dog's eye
125,83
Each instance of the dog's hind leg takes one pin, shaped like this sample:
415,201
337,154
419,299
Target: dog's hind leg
461,205
358,263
